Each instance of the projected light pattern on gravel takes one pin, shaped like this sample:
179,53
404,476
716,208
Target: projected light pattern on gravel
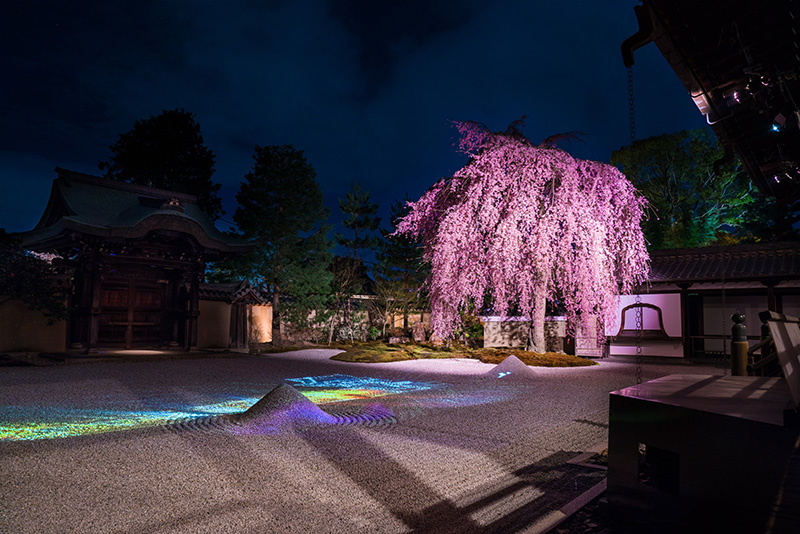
66,423
337,388
59,422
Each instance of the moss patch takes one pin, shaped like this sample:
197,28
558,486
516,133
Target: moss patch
379,352
535,359
268,348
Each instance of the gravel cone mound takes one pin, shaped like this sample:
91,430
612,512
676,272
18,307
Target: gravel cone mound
512,368
283,408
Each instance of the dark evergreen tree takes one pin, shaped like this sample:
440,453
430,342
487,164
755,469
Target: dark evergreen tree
767,220
281,206
360,218
349,278
399,272
167,152
349,273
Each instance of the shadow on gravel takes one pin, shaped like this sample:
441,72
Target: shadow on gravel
527,495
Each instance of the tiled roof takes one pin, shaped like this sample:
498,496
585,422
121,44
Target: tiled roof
775,261
231,292
94,206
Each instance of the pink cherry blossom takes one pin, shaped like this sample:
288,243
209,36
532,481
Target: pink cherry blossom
521,224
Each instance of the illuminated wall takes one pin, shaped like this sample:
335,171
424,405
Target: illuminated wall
396,320
670,306
261,324
513,332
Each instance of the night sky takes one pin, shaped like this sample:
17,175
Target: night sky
365,87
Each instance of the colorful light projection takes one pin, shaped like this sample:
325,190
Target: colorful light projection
338,388
65,423
59,422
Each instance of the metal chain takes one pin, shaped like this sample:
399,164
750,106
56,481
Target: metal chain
639,326
631,107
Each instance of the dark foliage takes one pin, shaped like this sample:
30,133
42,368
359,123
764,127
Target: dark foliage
281,206
28,278
167,151
360,218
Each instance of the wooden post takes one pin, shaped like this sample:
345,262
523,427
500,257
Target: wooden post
686,340
190,343
94,311
739,345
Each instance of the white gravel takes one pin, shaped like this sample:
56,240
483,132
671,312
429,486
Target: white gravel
474,454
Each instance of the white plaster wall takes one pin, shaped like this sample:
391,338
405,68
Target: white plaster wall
791,299
717,318
670,304
791,308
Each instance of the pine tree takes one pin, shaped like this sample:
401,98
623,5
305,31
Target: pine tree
350,274
281,206
400,272
361,218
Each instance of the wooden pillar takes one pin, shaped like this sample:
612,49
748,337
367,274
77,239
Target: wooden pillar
130,316
238,325
772,302
193,311
686,340
80,308
174,315
243,325
94,311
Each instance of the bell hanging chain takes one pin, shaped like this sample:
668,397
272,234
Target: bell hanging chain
639,326
631,106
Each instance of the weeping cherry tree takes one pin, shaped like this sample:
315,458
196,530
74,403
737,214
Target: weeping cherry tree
522,224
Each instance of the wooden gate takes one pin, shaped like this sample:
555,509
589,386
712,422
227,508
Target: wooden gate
131,314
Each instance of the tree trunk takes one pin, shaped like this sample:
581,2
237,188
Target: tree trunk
536,341
349,321
330,332
277,341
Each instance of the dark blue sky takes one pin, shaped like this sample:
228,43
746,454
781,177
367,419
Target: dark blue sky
366,88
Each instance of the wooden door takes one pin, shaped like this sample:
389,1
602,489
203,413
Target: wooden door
131,314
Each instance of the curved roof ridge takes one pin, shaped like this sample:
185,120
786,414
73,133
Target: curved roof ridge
145,190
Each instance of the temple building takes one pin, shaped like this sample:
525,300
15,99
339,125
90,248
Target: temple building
134,259
687,302
685,306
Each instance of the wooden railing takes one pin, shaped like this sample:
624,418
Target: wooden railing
762,358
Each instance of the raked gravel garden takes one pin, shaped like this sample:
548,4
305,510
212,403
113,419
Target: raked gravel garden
423,445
